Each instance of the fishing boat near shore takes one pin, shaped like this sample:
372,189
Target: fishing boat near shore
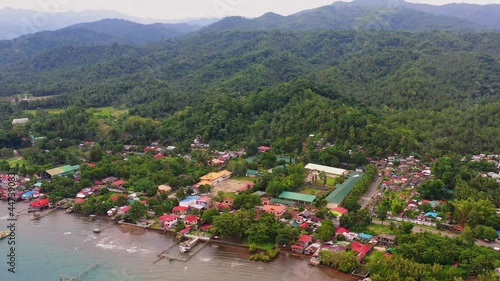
4,234
188,245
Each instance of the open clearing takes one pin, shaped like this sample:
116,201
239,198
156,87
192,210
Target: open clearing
101,112
228,186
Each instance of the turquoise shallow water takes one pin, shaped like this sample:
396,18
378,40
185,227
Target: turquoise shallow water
65,244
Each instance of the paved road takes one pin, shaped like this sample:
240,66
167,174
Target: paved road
417,229
370,193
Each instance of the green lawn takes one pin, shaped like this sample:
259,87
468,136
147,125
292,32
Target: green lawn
108,111
374,256
101,112
309,191
262,246
50,111
245,179
381,229
17,160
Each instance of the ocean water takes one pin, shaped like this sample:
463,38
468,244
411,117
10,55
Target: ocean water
64,244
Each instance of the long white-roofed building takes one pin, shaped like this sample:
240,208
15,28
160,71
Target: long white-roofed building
331,172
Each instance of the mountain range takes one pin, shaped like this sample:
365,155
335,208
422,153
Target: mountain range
18,22
374,14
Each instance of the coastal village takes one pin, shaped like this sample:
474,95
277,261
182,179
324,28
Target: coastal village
314,212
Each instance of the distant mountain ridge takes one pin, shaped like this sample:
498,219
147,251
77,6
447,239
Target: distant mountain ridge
374,14
103,32
137,33
18,22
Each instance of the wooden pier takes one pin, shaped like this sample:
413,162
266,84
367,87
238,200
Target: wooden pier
163,254
46,213
79,276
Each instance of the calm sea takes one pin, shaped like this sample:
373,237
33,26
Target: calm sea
64,244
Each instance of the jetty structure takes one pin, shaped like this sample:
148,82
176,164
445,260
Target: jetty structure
80,275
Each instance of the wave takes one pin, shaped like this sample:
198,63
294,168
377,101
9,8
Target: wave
106,246
132,250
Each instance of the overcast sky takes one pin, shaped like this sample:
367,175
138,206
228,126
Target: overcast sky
181,9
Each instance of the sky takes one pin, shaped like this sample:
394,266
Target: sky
183,9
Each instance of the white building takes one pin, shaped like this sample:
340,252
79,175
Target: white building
332,172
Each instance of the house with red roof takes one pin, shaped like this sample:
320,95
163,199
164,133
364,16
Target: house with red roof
222,206
91,165
123,210
341,230
206,227
339,211
361,249
118,183
159,156
185,230
168,221
40,204
179,210
264,148
246,186
191,220
304,241
276,210
204,201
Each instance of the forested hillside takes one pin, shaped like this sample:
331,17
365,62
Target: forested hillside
390,91
373,14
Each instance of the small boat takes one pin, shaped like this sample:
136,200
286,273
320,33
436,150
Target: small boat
97,230
188,245
4,234
36,216
91,217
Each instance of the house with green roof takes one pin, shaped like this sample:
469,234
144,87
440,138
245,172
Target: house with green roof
299,198
252,173
342,190
61,171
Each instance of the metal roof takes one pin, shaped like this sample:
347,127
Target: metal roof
326,169
343,189
297,196
283,201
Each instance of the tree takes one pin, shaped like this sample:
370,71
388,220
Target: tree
405,227
274,188
343,261
324,178
356,220
473,212
136,211
226,225
209,215
485,232
325,231
264,230
121,200
287,235
467,235
246,201
382,210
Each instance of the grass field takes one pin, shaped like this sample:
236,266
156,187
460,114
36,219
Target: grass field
309,191
108,111
381,229
101,112
374,256
262,246
17,160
